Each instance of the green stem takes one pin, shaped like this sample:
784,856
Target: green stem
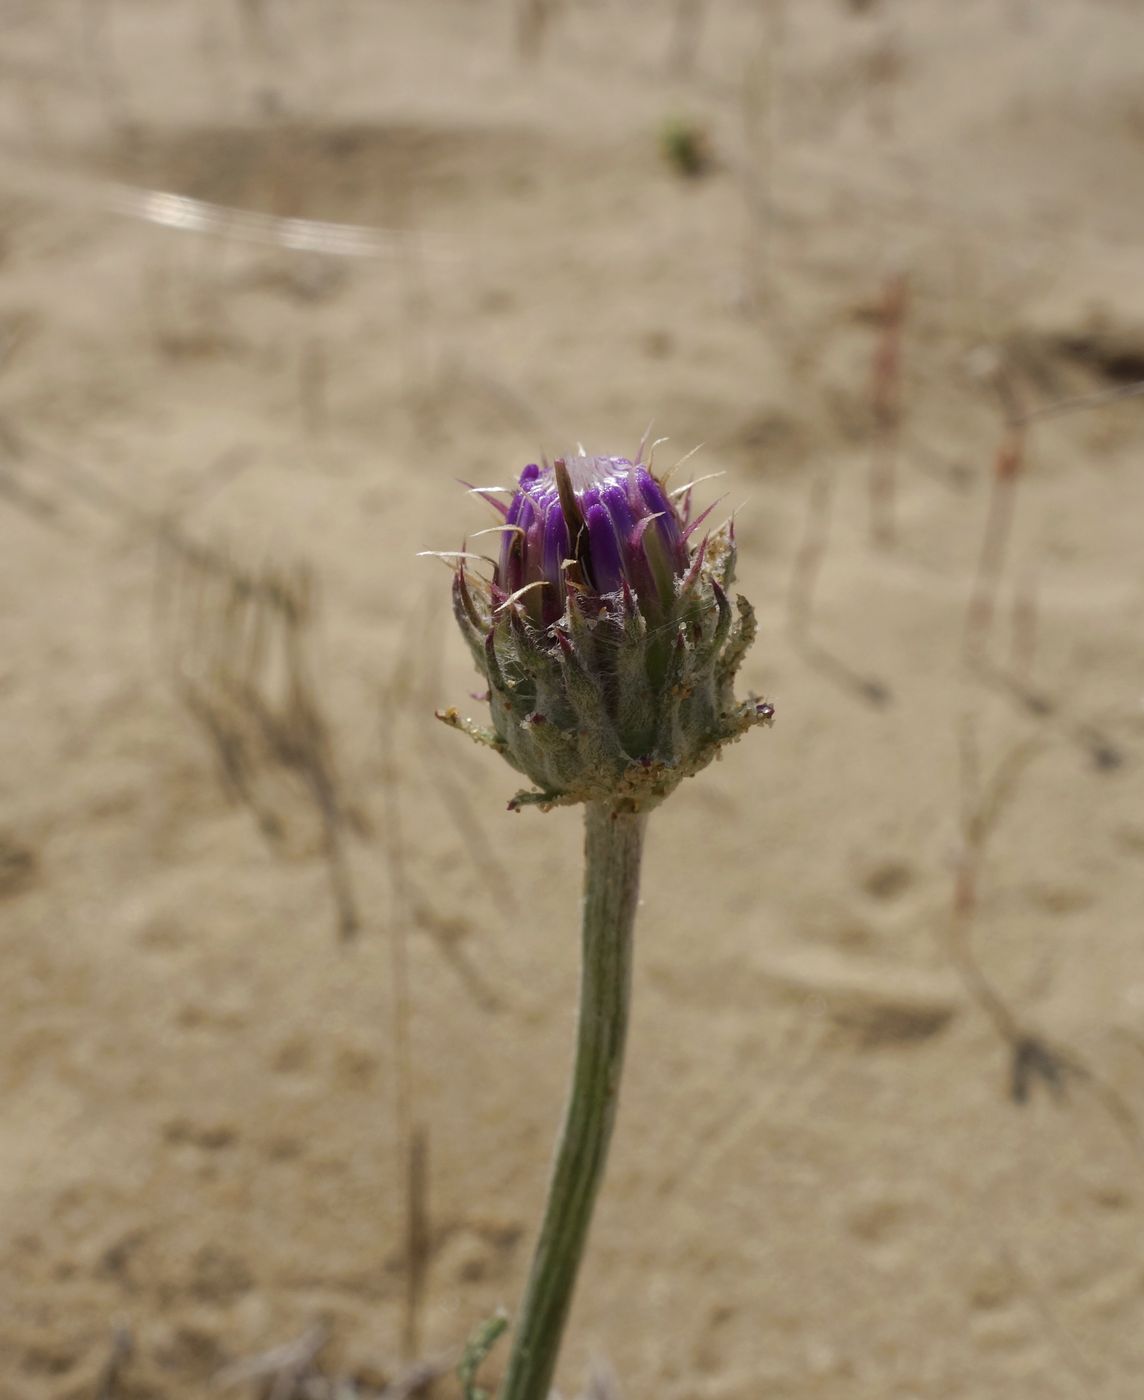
613,842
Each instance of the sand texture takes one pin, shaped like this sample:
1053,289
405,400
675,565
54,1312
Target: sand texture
283,985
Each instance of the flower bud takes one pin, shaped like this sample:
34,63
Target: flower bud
607,641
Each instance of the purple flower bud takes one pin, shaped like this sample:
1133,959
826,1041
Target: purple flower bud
591,524
606,636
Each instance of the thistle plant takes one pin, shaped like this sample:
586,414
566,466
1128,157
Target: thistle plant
609,643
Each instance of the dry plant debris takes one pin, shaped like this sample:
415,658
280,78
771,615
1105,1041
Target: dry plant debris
237,645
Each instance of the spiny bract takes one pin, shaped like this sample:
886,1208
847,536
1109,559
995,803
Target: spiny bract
609,644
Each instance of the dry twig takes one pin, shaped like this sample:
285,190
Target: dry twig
1008,465
1033,1057
237,644
808,563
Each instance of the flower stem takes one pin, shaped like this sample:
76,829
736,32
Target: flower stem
613,842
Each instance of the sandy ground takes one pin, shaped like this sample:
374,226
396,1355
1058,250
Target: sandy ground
821,1185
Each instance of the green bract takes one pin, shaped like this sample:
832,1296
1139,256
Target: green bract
609,645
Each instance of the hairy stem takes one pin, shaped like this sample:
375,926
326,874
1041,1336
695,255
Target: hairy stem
613,842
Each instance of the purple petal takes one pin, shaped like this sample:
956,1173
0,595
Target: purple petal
653,493
555,550
615,499
515,547
629,534
588,498
668,527
606,563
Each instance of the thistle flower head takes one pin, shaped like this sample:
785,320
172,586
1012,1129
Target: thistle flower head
605,635
591,525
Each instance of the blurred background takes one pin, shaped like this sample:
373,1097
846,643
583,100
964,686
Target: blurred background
287,995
